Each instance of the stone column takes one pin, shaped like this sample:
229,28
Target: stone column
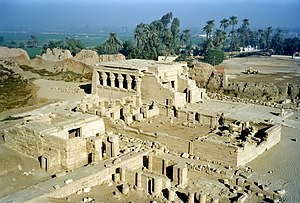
98,149
165,165
125,188
138,84
122,174
120,79
114,141
112,79
191,197
139,180
157,185
215,200
150,162
182,175
104,77
129,81
95,82
171,194
202,198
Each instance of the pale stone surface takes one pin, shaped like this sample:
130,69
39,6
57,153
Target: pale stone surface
166,165
56,55
17,55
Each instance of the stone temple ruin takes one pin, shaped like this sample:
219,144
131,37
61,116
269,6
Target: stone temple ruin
137,130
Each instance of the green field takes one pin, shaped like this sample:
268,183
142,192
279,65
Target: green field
88,40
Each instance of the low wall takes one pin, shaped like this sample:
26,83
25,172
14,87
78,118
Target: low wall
251,151
89,176
98,174
215,151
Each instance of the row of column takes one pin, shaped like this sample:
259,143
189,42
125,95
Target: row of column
132,82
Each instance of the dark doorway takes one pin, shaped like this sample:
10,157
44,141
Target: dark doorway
90,158
169,172
146,161
74,133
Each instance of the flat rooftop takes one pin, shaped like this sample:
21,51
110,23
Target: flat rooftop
53,116
134,64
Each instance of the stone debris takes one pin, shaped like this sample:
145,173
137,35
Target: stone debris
202,156
56,187
86,190
68,181
88,199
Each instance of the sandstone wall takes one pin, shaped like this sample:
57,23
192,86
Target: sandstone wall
152,90
24,140
251,151
97,175
72,152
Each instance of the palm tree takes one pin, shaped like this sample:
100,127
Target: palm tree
244,32
268,37
261,39
208,28
113,44
220,37
140,34
233,21
166,19
224,23
185,37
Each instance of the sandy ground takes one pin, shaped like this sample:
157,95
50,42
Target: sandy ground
284,161
18,171
59,90
12,164
277,70
284,158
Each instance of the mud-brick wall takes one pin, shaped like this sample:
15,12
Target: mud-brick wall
215,151
251,151
23,140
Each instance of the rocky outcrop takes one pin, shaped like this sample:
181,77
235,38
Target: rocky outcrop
17,55
56,55
206,76
263,91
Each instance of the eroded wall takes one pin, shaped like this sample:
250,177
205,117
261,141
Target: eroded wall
251,151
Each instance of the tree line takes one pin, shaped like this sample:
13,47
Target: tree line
164,37
230,38
160,37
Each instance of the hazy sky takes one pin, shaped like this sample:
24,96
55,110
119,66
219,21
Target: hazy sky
192,13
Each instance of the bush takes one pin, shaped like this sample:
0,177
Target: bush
214,57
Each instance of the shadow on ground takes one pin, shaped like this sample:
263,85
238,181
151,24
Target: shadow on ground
87,88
